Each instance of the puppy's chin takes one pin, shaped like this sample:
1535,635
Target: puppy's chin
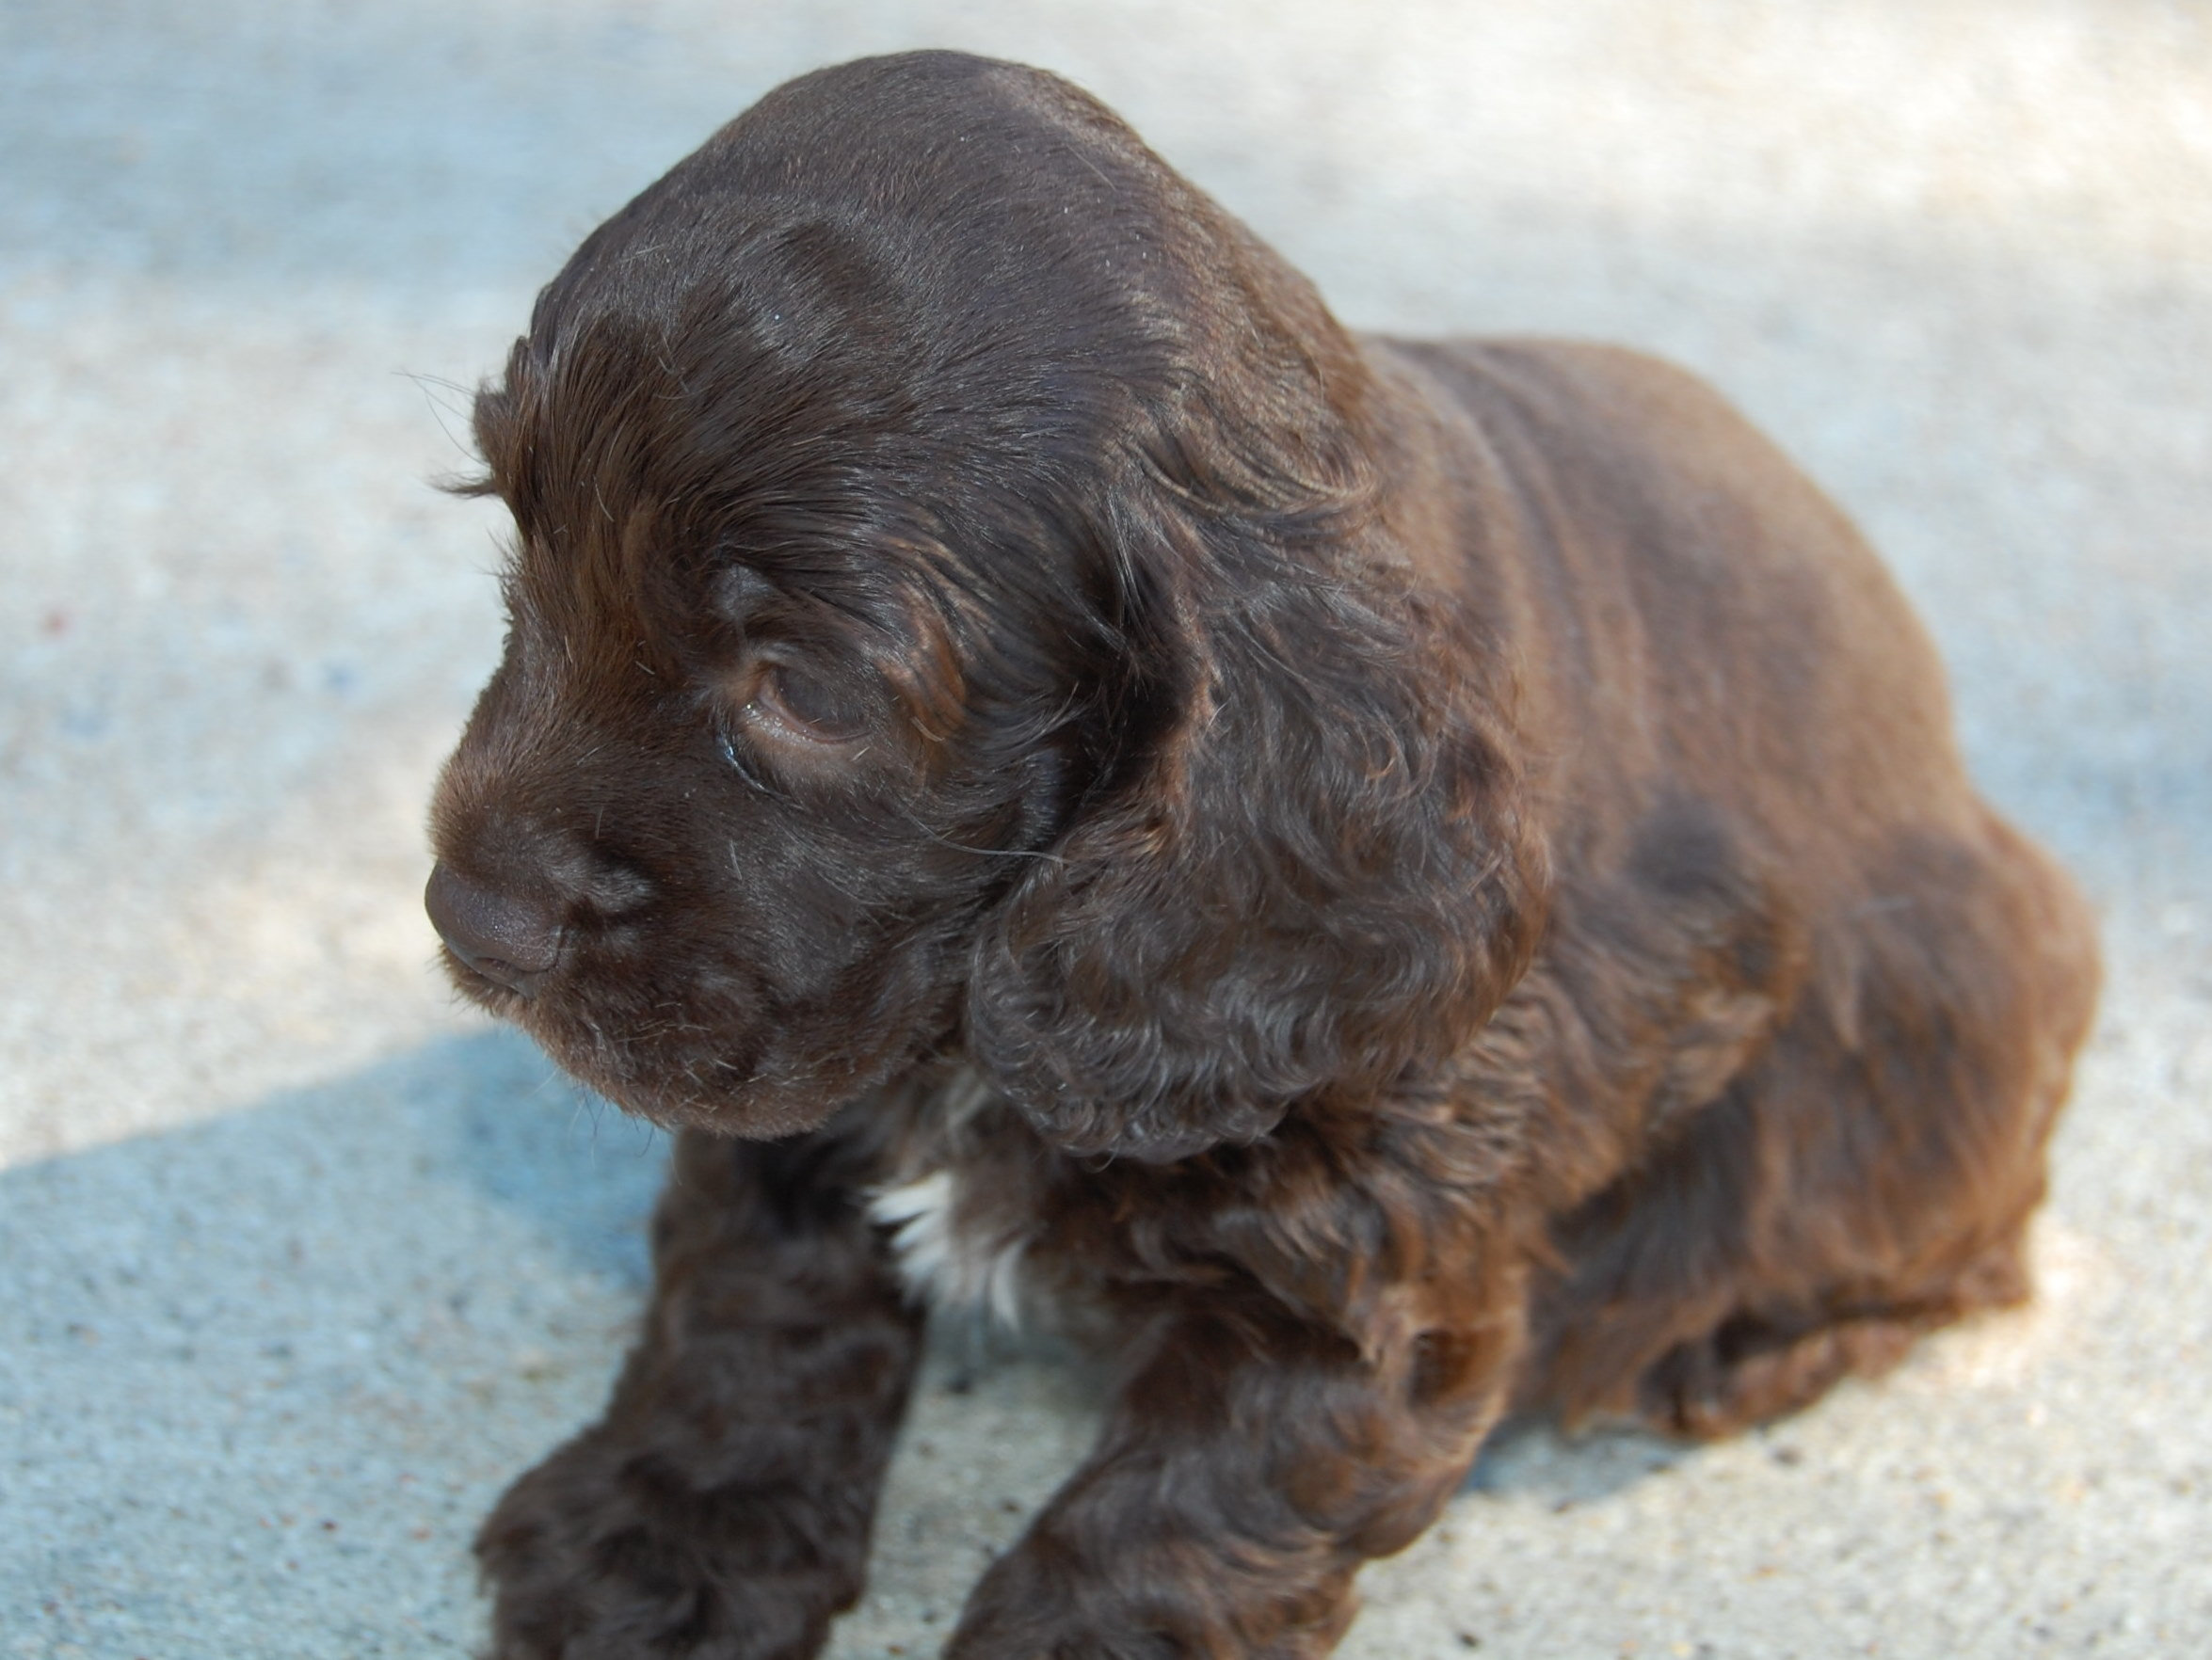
749,1112
695,1089
674,1079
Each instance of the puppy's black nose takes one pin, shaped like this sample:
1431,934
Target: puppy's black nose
505,938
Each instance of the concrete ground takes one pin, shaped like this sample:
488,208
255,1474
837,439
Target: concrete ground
298,1262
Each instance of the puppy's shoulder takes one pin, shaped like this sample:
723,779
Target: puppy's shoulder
1646,456
1573,395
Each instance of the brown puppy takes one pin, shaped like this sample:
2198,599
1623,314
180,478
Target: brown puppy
1404,879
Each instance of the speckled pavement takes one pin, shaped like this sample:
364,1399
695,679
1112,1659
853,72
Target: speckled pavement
298,1261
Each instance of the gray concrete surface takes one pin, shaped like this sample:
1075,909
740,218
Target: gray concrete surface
297,1262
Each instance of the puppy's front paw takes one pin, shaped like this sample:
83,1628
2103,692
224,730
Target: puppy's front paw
617,1552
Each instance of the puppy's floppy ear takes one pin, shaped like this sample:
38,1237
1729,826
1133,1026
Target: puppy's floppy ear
1319,878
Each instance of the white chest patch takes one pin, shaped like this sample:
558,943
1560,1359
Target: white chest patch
952,1265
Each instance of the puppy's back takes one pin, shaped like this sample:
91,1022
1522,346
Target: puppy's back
1688,604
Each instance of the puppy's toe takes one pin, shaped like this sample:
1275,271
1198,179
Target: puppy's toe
590,1559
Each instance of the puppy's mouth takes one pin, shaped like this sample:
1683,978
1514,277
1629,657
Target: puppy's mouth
675,1072
495,996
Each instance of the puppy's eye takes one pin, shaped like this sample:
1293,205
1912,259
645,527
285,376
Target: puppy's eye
807,704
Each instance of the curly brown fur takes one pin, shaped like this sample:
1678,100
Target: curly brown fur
1405,880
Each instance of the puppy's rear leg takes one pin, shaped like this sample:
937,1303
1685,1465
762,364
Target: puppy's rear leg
1753,1367
722,1508
1906,1203
1866,1181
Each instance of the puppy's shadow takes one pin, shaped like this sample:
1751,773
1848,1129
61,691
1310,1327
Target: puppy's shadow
368,1299
581,1172
1531,1459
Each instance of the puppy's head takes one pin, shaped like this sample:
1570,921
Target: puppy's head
947,611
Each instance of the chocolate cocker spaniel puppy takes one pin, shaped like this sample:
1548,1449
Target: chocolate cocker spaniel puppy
1405,881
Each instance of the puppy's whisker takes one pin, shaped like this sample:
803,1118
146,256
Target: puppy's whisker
942,839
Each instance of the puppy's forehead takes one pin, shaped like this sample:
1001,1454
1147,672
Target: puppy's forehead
1001,157
994,210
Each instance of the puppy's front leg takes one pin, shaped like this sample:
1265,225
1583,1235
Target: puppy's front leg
722,1508
1251,1464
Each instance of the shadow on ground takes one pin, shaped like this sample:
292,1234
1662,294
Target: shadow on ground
265,1373
270,1369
